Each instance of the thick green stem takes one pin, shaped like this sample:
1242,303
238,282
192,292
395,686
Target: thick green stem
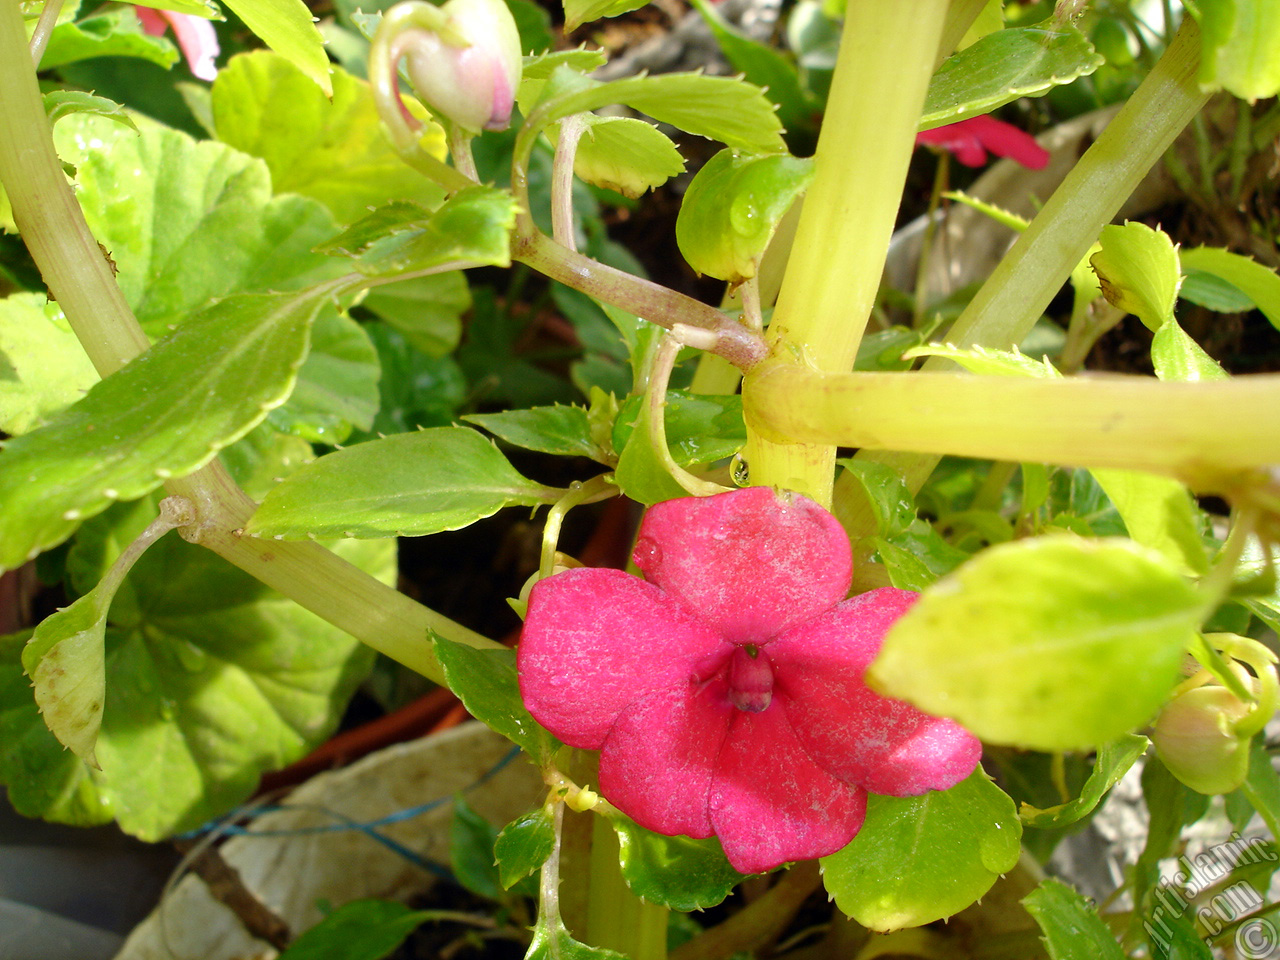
80,278
1206,434
886,58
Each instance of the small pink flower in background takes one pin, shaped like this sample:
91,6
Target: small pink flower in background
969,140
726,692
195,36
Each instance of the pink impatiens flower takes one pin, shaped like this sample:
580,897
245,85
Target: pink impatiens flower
725,692
969,140
195,36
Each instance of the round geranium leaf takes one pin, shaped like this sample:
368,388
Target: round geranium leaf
732,208
1056,643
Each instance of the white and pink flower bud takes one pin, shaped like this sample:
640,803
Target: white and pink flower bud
469,71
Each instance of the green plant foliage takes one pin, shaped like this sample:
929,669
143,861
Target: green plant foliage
212,679
920,859
640,474
1240,42
112,33
1176,356
1260,286
626,155
885,495
1072,928
1113,761
1054,643
524,845
487,684
63,103
732,208
426,310
411,484
1139,271
165,414
471,851
562,430
988,361
286,26
1003,66
552,941
1159,513
359,930
700,427
329,148
674,872
44,367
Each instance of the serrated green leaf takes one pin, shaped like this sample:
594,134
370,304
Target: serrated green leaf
1262,787
925,858
986,360
561,430
1240,47
471,851
411,484
43,368
700,427
359,930
524,845
1072,928
1259,284
1158,512
1113,761
906,570
578,12
737,114
639,473
626,155
1176,356
1139,271
165,414
551,941
197,8
63,103
426,310
580,59
330,149
674,872
732,208
286,26
487,684
114,33
1054,643
1212,292
1003,66
886,495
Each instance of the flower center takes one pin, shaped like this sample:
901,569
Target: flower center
750,679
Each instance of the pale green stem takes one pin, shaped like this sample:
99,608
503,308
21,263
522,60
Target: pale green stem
44,27
616,918
571,130
460,150
749,293
654,421
1192,431
597,488
886,57
78,275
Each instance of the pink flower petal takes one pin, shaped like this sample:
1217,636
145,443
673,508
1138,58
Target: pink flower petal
770,803
151,21
198,42
1006,140
658,760
750,562
597,640
885,745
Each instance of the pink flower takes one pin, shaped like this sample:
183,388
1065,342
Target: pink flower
969,140
195,36
726,692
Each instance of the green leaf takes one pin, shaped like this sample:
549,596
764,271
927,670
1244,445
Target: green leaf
330,149
1003,66
1252,279
115,33
1176,356
1072,928
1262,787
1139,272
359,930
885,494
640,474
43,368
473,227
561,430
212,679
471,851
551,941
1054,643
1158,512
187,221
1113,761
906,570
1240,47
427,310
987,360
416,390
165,414
411,484
1213,292
578,12
700,427
286,27
487,684
197,8
626,155
737,114
674,872
524,845
732,208
63,103
925,858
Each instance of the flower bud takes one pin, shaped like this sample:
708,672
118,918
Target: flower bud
1197,737
468,72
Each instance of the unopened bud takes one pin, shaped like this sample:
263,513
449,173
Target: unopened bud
468,72
1197,737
